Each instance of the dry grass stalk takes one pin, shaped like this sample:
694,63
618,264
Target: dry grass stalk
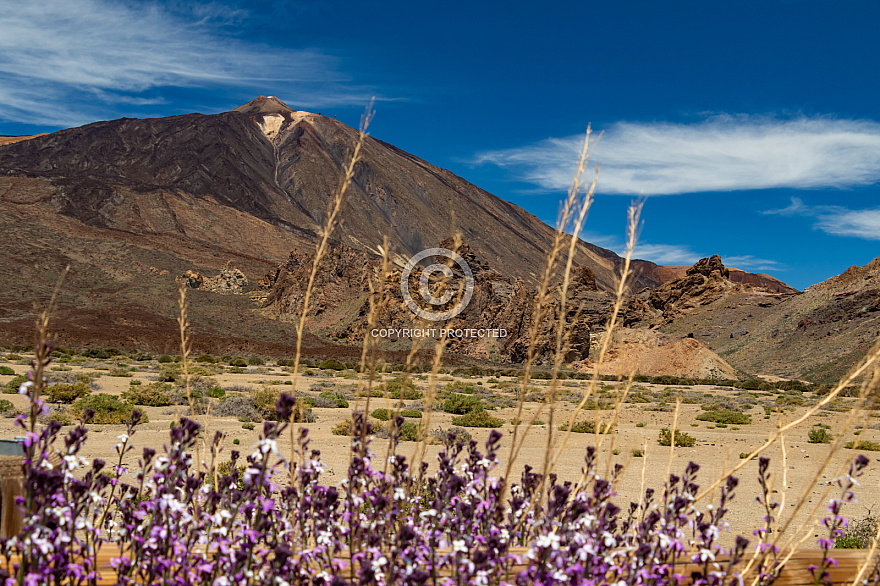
633,218
320,250
542,297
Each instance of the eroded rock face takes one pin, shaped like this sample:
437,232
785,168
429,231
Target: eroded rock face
340,305
230,280
705,282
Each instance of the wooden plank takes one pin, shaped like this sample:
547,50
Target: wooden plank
794,573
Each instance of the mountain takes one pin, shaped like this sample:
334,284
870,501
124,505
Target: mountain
817,335
133,205
266,166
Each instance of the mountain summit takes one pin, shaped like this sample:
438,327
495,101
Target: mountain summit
265,105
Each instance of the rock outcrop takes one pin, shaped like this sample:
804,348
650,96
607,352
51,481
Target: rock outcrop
230,280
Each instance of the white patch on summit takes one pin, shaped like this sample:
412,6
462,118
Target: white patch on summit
271,125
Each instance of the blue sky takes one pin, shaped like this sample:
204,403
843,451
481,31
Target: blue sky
752,127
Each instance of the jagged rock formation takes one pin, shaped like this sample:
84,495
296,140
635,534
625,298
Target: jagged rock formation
230,280
341,304
705,282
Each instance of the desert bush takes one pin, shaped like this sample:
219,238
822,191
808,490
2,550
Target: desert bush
215,393
754,384
66,393
863,445
331,399
11,387
331,364
374,393
342,428
789,401
858,534
152,395
819,436
108,409
725,417
61,417
164,359
411,413
479,418
458,404
247,426
588,427
638,453
6,406
681,438
207,358
14,357
238,363
5,370
402,388
255,361
240,407
382,414
119,372
456,433
409,432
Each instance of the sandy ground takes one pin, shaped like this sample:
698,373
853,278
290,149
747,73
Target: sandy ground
716,450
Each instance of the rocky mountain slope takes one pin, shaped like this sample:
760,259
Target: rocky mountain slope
817,335
135,205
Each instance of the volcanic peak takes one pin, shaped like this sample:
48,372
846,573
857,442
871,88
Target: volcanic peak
265,105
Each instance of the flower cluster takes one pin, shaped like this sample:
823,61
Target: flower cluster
262,520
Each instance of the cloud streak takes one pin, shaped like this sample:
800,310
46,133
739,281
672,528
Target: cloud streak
723,153
65,58
836,220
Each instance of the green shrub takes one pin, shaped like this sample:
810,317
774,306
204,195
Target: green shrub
459,404
640,424
409,431
638,453
376,393
13,357
681,439
152,395
724,417
5,406
588,427
238,363
108,409
255,361
412,413
819,436
215,392
402,388
120,372
382,414
67,393
6,370
341,402
237,441
477,419
247,426
164,359
207,358
863,445
342,428
135,382
11,388
858,534
331,364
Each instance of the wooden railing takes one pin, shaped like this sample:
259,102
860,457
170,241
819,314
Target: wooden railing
795,572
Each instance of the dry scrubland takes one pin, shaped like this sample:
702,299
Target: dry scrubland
751,415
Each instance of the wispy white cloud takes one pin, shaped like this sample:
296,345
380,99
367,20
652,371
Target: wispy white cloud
836,220
665,254
62,55
721,153
681,254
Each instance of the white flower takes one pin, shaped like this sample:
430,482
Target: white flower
459,546
23,389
